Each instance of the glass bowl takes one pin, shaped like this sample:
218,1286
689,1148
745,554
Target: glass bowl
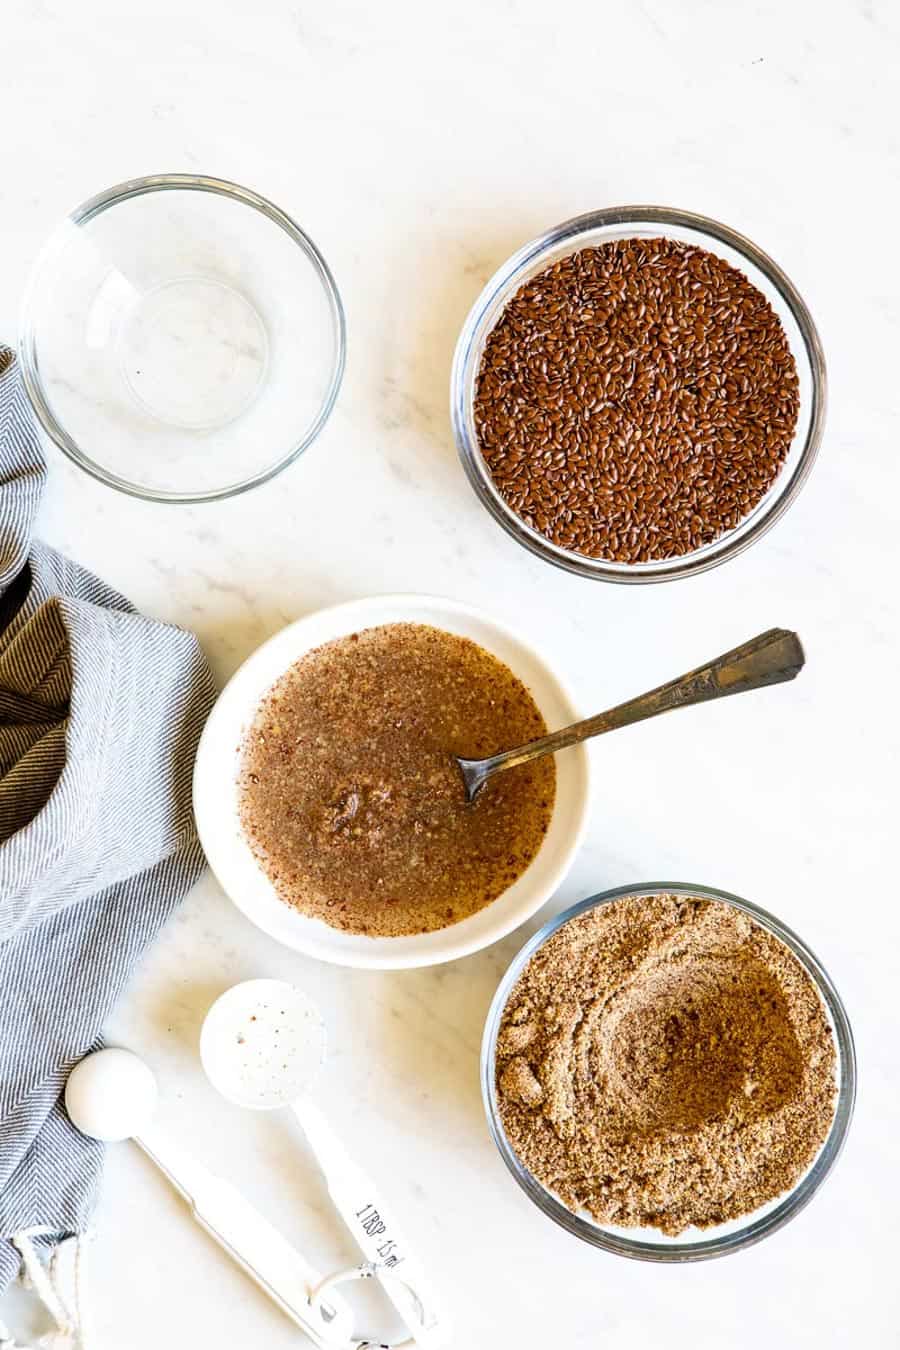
627,222
645,1244
182,339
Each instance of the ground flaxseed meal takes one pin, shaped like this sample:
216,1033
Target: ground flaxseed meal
350,799
636,400
663,1062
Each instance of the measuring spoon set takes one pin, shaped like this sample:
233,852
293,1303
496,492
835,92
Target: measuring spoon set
262,1046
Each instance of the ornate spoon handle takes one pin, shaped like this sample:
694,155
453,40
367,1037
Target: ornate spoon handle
771,658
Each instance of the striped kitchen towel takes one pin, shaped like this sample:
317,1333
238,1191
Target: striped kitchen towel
100,713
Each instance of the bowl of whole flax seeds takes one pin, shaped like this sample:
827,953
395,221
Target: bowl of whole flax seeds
668,1072
638,395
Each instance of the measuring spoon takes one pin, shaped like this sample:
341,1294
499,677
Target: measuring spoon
262,1046
112,1095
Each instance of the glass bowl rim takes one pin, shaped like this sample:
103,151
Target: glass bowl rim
138,187
754,1231
510,273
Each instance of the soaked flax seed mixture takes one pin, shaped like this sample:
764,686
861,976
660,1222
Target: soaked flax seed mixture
665,1061
350,799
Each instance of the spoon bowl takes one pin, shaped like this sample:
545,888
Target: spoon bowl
111,1095
263,1044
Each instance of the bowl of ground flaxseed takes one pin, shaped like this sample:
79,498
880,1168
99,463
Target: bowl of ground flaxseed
638,395
668,1072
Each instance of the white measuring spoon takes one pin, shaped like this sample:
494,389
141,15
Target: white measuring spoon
262,1046
112,1095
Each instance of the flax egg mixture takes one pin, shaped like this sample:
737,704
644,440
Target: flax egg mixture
349,795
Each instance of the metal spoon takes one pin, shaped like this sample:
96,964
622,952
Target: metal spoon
771,658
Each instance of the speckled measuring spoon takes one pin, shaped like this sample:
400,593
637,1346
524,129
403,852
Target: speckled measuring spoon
262,1046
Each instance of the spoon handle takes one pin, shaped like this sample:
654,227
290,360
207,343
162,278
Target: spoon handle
375,1228
771,658
252,1242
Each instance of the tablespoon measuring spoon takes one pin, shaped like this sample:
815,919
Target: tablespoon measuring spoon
262,1046
112,1095
771,658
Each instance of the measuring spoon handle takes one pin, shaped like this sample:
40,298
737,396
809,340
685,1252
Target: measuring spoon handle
376,1230
252,1242
770,658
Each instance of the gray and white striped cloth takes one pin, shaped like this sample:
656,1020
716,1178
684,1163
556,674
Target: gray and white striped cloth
100,713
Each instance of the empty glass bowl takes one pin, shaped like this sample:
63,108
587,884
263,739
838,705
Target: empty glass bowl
182,339
590,231
694,1244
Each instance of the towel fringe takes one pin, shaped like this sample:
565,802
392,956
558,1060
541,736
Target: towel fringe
69,1333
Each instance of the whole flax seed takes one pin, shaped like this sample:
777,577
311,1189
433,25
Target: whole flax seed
663,1062
636,400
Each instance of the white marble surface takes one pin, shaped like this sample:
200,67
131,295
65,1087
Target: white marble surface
420,145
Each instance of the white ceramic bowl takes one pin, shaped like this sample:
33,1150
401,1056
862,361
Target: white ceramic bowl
216,791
